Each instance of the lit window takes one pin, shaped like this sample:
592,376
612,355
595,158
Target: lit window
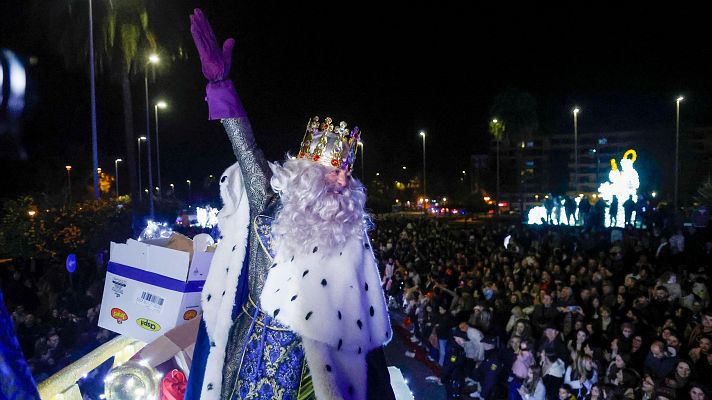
602,141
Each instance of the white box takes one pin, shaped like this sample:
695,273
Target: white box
151,289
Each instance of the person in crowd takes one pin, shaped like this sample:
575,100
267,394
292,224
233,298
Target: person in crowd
581,375
659,362
520,369
553,369
533,387
453,372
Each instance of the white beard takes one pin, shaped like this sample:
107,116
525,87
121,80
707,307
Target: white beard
314,213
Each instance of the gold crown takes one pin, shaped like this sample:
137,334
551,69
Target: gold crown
328,145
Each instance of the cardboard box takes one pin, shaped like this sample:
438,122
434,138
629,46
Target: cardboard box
151,289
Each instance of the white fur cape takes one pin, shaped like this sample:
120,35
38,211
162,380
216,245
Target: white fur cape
333,302
220,287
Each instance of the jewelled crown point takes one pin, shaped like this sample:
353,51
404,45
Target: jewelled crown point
329,145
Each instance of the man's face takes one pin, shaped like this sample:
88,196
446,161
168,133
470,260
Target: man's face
551,333
707,322
546,300
705,345
463,326
337,177
661,294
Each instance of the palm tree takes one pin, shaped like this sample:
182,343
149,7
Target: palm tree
497,129
122,40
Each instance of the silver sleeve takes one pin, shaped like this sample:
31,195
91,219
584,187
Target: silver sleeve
255,170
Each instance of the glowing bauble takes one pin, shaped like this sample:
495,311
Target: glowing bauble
132,381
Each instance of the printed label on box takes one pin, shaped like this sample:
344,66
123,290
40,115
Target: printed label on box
119,315
118,286
148,325
150,300
190,314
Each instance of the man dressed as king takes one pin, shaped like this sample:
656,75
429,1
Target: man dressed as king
292,306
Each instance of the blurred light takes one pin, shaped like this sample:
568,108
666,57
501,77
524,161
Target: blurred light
142,138
154,59
680,98
486,198
494,120
31,213
404,168
17,83
161,104
576,110
654,194
422,133
68,167
444,199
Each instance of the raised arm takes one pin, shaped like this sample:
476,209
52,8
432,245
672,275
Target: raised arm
224,104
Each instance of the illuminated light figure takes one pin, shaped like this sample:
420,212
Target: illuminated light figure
623,182
207,217
537,215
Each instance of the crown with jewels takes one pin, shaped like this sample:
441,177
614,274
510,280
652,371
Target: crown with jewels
326,144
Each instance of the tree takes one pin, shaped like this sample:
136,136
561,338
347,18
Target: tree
497,129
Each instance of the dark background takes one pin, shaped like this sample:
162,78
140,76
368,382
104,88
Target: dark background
393,68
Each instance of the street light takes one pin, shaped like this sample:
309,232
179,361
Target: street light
425,187
94,144
363,175
576,111
189,193
116,170
69,181
153,60
162,105
140,185
677,147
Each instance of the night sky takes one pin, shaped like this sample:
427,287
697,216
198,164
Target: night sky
392,70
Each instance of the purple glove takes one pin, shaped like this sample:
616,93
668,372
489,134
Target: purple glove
221,95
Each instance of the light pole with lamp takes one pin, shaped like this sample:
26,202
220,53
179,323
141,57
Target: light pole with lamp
69,182
425,187
152,60
576,111
162,105
94,140
677,148
116,170
140,185
189,192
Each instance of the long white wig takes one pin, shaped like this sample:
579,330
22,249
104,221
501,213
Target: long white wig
315,213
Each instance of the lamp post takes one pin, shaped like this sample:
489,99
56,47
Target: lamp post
153,60
363,175
162,105
425,187
576,111
140,185
677,148
94,144
69,182
189,193
116,170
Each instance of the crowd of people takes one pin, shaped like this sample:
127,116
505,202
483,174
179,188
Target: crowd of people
559,313
505,310
55,322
